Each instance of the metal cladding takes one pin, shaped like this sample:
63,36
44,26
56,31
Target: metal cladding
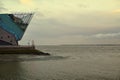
15,24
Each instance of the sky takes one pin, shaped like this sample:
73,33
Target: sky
57,22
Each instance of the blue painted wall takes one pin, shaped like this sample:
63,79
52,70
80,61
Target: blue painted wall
10,26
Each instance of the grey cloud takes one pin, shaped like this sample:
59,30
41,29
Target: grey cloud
51,27
38,13
83,6
2,8
81,30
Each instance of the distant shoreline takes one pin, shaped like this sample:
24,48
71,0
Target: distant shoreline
82,45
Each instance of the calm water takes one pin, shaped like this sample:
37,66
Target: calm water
65,63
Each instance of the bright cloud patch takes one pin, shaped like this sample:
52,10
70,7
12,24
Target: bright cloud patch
27,2
107,35
116,11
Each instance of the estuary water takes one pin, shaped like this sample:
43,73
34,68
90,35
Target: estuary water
75,62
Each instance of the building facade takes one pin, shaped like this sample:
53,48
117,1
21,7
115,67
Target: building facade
13,27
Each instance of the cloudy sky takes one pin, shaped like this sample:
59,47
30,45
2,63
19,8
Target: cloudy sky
69,21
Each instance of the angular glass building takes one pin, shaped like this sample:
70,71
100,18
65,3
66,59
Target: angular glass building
13,27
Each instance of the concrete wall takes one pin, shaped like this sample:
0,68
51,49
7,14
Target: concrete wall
7,37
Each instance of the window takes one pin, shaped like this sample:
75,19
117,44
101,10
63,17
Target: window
8,36
1,37
11,41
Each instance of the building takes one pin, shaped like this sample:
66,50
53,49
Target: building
13,27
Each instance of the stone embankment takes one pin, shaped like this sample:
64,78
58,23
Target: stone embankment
21,50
